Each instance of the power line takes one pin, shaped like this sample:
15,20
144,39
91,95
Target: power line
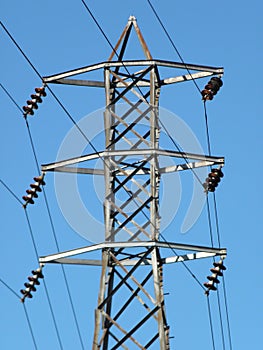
227,314
217,291
172,43
224,285
9,288
208,208
45,286
216,220
21,51
209,221
32,146
37,164
30,326
64,274
11,192
25,310
210,322
181,152
139,89
221,320
184,264
55,239
98,25
211,233
207,130
31,233
11,98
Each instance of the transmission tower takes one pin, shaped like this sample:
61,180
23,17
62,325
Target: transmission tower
130,312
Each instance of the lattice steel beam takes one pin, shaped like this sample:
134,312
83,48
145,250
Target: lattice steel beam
131,298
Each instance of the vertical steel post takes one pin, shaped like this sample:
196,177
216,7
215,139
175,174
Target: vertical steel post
121,173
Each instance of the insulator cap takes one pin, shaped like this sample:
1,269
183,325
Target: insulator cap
37,98
217,172
32,103
41,91
33,279
211,88
220,265
40,180
209,285
36,187
26,293
213,278
217,271
217,80
214,177
207,95
30,286
32,193
28,199
28,110
211,182
38,273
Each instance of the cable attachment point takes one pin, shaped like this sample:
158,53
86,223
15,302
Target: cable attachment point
35,99
30,286
213,179
211,88
35,187
217,271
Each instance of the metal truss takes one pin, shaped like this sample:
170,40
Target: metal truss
130,313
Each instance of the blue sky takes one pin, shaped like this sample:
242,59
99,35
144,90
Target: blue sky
58,37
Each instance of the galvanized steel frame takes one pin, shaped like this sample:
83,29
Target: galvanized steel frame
121,260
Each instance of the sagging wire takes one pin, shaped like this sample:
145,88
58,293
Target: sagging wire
45,286
7,285
31,235
50,218
172,43
210,322
25,311
11,192
207,95
218,239
227,314
11,98
9,288
212,240
182,262
30,327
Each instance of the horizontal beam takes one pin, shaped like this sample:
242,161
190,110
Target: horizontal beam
186,77
79,82
140,83
114,64
127,245
187,166
129,262
77,170
131,152
164,170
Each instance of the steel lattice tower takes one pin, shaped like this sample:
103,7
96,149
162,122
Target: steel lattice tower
131,312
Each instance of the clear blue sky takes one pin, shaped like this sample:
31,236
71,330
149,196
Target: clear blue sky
58,36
